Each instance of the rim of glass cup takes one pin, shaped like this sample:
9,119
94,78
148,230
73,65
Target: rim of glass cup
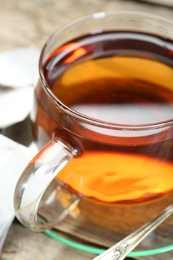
83,117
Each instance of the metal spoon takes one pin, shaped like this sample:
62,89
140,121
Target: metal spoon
120,250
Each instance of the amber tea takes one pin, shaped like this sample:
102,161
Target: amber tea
118,78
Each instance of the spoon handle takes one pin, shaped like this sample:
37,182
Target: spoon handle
120,250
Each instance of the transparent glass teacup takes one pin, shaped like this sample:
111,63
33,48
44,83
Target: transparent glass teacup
103,119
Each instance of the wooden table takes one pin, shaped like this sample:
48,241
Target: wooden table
29,23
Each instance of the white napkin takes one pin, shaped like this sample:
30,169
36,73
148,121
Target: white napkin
13,159
19,68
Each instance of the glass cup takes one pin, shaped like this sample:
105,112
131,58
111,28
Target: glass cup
103,121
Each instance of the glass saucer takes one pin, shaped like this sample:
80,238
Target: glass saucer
97,250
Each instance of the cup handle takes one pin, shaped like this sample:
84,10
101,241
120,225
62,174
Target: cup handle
34,181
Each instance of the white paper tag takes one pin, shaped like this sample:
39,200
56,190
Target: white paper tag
19,67
13,159
19,73
15,105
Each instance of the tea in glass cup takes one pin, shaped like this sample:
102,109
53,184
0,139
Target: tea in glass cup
103,119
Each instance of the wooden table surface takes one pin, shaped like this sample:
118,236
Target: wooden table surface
29,23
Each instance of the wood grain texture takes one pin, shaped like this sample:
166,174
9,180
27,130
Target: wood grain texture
26,23
160,2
